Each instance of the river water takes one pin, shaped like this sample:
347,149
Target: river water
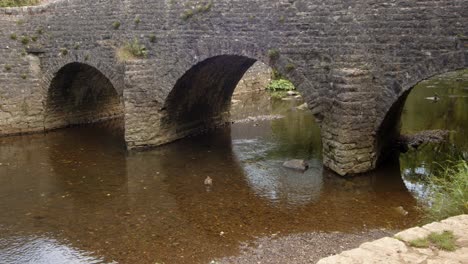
76,195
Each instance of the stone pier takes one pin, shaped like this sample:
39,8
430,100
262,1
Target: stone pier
354,62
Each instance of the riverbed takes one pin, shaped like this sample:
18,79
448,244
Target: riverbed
77,196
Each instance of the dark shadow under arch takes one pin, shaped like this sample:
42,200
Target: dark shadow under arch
201,98
78,94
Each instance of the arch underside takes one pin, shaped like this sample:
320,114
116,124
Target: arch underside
80,94
201,98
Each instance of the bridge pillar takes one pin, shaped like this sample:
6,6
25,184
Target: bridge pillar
348,128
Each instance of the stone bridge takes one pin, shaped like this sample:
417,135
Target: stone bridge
354,61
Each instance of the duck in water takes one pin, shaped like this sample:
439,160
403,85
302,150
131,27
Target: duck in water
208,181
435,98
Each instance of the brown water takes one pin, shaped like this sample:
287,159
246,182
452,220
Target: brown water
76,195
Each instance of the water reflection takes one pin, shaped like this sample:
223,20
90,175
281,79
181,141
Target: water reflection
78,193
450,112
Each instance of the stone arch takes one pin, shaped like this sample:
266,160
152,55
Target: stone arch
80,93
221,60
201,98
283,63
115,73
396,92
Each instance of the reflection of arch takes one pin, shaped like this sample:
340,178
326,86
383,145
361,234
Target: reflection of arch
80,93
397,89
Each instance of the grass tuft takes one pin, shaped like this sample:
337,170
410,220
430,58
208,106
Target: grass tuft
420,243
273,54
449,192
116,25
132,50
17,3
443,241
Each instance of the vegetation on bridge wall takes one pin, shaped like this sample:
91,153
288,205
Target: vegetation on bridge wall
14,3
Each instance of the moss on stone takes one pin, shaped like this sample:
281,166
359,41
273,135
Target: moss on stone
17,3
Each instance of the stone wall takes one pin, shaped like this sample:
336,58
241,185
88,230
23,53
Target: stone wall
351,60
257,78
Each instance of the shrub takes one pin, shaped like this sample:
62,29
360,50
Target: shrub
449,191
24,40
7,67
280,85
290,67
187,14
273,54
152,38
13,36
116,25
137,20
132,50
64,51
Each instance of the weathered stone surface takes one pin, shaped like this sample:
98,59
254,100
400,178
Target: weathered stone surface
353,62
296,164
392,250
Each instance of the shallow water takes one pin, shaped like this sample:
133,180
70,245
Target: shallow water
450,112
76,195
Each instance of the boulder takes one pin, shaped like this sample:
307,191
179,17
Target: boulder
296,164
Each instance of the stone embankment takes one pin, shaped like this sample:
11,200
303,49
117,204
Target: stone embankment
397,249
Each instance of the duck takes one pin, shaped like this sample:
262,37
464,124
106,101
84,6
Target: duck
208,181
435,98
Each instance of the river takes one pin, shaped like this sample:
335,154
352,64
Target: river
77,196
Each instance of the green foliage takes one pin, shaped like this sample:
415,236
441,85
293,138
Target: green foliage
273,54
290,67
34,38
7,67
40,31
132,50
420,243
64,51
116,25
76,46
201,8
444,241
449,191
187,14
152,38
282,19
13,36
25,40
137,20
16,3
24,76
280,85
276,75
86,57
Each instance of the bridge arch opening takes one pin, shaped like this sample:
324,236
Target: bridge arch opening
201,98
434,108
80,94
